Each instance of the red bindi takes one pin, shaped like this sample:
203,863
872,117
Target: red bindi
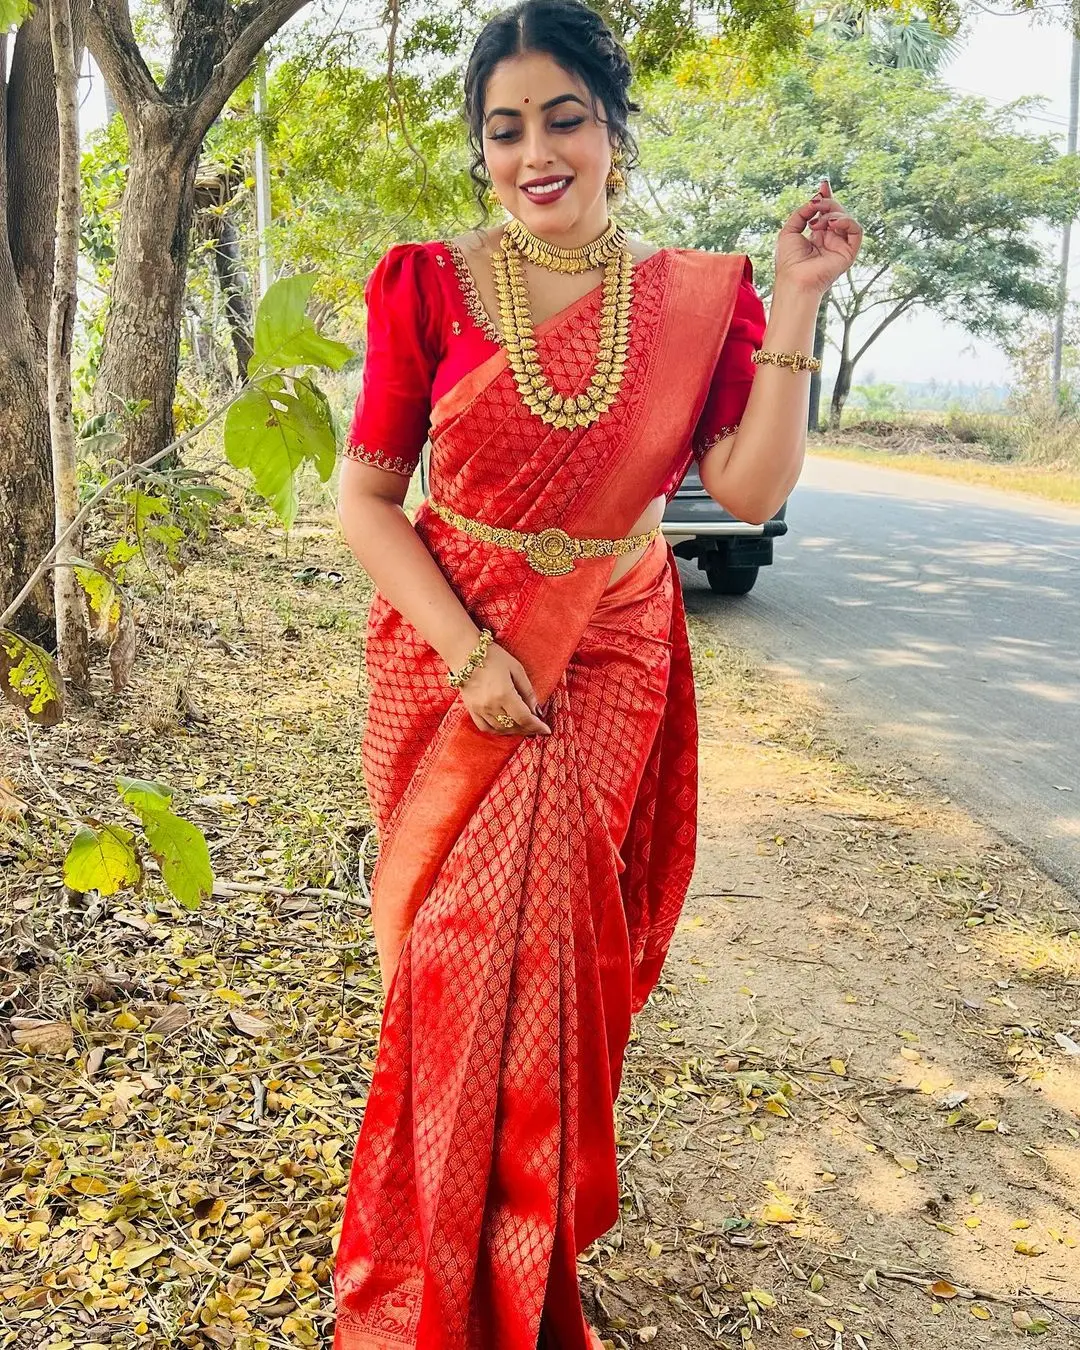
525,100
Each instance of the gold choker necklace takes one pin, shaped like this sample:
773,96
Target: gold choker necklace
519,339
572,260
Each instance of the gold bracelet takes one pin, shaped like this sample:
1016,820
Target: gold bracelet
476,658
795,360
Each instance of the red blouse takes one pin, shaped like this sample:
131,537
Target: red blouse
427,328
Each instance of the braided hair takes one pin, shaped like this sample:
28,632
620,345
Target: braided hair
578,40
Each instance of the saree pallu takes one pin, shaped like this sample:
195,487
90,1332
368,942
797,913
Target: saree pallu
527,889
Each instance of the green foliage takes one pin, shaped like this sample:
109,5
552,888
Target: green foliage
948,188
30,679
283,419
285,336
12,13
105,858
178,846
875,399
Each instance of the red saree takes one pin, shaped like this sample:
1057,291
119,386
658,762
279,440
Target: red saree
527,889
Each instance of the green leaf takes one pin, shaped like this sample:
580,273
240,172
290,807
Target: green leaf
144,797
30,679
146,506
320,419
285,336
270,432
104,602
102,860
12,13
182,855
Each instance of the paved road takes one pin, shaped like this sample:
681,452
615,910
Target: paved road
944,618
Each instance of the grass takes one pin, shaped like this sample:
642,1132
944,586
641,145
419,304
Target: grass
1050,485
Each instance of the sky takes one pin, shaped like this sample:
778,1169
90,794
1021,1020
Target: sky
1003,58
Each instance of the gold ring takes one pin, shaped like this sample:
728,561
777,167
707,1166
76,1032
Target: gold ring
505,720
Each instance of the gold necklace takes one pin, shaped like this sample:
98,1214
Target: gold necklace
519,340
568,260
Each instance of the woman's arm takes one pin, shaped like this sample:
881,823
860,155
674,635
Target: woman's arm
391,552
752,472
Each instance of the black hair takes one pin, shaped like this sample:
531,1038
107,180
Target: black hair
575,37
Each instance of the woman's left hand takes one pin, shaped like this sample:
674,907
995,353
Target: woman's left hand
812,262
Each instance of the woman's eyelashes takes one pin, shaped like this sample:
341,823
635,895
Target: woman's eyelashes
511,133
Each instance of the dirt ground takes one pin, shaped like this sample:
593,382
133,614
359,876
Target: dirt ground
849,1113
852,1109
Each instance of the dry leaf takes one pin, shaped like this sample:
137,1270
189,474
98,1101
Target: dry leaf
943,1289
778,1211
247,1025
12,806
983,1314
42,1038
1028,1248
172,1020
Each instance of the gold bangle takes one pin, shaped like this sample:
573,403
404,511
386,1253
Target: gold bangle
476,658
796,361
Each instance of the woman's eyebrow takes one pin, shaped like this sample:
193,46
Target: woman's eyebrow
551,103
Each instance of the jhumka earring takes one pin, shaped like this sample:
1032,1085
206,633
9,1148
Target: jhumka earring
616,181
492,199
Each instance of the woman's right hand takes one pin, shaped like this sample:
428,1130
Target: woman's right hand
500,687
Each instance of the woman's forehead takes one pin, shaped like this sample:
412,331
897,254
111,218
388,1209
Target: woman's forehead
530,79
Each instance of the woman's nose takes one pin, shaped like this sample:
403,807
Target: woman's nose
537,148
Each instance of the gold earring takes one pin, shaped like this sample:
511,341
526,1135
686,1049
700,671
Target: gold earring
492,199
616,180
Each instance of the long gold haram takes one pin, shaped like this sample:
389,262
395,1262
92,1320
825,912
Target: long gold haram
537,392
567,260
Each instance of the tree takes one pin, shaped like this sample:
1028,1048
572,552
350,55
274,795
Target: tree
71,635
29,156
947,188
213,48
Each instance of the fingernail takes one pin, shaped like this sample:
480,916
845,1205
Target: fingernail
817,198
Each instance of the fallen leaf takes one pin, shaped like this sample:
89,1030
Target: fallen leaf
983,1314
943,1289
175,1017
248,1025
42,1038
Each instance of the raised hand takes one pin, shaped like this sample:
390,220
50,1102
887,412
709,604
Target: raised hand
812,262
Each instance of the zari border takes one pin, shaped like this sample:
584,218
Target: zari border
722,434
379,459
470,296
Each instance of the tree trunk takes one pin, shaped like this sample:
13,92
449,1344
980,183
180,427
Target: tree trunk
141,348
229,267
813,421
32,153
72,643
26,522
842,387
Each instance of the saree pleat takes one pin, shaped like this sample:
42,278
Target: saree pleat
526,888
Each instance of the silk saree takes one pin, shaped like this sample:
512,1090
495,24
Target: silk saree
527,889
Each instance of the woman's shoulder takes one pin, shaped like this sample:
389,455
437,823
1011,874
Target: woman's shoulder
410,274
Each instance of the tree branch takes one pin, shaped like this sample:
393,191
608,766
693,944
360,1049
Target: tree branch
260,22
889,318
112,45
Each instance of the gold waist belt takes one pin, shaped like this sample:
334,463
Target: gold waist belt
551,552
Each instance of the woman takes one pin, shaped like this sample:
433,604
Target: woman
530,750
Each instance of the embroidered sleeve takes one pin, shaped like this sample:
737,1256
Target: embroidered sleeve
733,373
390,422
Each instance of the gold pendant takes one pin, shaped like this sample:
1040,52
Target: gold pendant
551,552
